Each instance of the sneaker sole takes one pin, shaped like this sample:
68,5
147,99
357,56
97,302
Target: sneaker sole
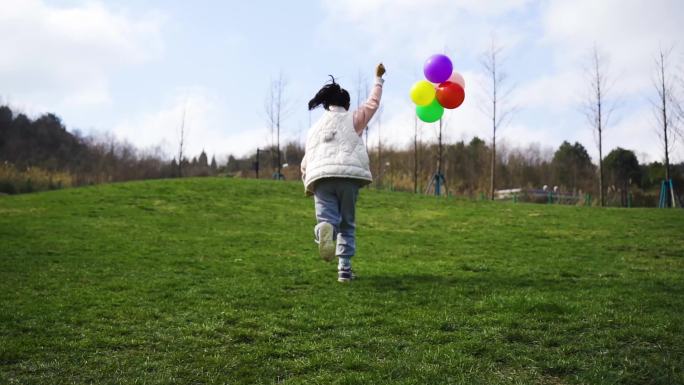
345,279
326,246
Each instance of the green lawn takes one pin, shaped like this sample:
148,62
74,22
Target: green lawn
212,281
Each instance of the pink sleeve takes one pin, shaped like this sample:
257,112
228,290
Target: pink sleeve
366,111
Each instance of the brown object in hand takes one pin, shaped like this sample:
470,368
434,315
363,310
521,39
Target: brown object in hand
380,70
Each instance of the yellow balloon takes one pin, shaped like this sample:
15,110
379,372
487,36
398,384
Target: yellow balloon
423,93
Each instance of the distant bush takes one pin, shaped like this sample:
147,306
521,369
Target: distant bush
14,181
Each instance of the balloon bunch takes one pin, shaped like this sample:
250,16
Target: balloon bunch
444,88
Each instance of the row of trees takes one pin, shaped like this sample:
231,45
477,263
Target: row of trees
466,167
41,154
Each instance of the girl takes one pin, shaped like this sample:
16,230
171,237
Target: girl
335,165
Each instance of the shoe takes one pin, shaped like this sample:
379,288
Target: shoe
326,243
345,275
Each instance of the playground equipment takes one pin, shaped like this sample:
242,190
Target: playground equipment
668,198
437,180
276,175
545,196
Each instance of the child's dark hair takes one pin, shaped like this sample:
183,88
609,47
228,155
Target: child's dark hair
330,95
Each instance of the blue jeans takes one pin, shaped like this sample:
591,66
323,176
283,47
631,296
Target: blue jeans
335,201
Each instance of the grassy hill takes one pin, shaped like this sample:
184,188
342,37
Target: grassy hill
211,281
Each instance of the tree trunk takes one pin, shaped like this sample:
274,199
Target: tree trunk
663,95
415,155
599,126
492,185
180,147
602,201
493,169
439,156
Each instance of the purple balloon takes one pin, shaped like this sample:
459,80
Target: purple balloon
438,68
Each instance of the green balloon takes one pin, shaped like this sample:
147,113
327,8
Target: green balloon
430,113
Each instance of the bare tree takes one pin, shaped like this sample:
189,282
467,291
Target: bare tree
181,141
276,109
596,108
498,90
440,152
666,106
361,97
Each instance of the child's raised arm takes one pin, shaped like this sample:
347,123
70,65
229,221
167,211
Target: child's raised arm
366,111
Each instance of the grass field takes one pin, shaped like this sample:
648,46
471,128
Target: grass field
212,281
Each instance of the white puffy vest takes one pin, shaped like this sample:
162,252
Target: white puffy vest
334,149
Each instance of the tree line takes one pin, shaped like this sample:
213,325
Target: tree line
467,166
40,154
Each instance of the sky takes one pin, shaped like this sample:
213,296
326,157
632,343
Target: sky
131,68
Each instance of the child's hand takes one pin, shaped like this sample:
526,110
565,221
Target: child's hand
380,70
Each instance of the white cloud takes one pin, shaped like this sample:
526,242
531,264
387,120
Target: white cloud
636,132
628,34
207,127
395,29
556,92
59,56
363,10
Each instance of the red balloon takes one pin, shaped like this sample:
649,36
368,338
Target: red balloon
450,95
